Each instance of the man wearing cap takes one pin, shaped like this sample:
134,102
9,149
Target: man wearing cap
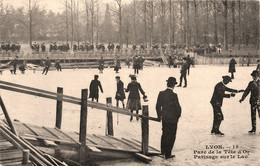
94,91
217,101
253,87
169,110
120,93
184,69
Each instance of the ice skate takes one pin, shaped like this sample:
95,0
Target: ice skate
219,133
251,132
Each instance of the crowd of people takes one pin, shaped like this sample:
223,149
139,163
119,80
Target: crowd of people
10,46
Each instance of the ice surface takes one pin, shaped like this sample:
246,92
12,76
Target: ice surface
194,125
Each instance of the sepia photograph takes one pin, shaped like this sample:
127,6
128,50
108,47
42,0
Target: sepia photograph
129,82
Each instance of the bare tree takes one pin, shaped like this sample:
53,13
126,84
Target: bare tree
118,18
233,5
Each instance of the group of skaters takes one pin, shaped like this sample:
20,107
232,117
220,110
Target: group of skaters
10,46
47,64
134,99
220,93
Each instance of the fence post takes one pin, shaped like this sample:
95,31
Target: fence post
59,108
110,130
83,126
26,155
145,130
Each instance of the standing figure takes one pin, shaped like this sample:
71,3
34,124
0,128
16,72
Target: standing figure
136,64
232,67
253,88
120,93
128,62
118,65
94,88
57,65
169,110
217,101
184,69
134,101
101,65
47,66
15,61
189,62
258,67
248,59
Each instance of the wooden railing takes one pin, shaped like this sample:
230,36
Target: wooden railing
84,103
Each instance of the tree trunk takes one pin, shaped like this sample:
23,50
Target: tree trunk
151,33
239,24
181,23
226,23
196,23
215,24
188,24
135,33
170,21
97,35
233,23
30,22
67,24
72,25
92,22
145,35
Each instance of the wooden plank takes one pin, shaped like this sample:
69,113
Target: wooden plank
59,108
143,158
7,117
119,144
17,153
9,138
40,131
83,126
70,99
46,138
150,147
99,137
22,129
51,132
127,143
145,131
109,127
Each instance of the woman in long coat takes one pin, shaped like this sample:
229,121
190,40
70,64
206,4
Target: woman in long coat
134,101
232,67
120,93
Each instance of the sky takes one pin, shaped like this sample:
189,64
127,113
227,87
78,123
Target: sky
54,5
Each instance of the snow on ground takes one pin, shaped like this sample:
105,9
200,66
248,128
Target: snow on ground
194,125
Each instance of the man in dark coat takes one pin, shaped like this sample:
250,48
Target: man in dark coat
101,65
253,88
217,101
120,93
94,91
15,61
169,110
136,64
47,66
118,65
184,69
232,67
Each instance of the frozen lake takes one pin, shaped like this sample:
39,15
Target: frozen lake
194,125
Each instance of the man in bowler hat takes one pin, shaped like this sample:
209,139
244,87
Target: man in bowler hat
217,101
253,88
169,111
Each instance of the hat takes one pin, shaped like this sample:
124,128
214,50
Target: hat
96,76
185,58
227,78
133,77
117,77
172,80
254,73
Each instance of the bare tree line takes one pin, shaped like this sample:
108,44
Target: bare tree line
148,22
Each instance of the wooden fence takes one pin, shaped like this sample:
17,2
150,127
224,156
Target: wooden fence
84,103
